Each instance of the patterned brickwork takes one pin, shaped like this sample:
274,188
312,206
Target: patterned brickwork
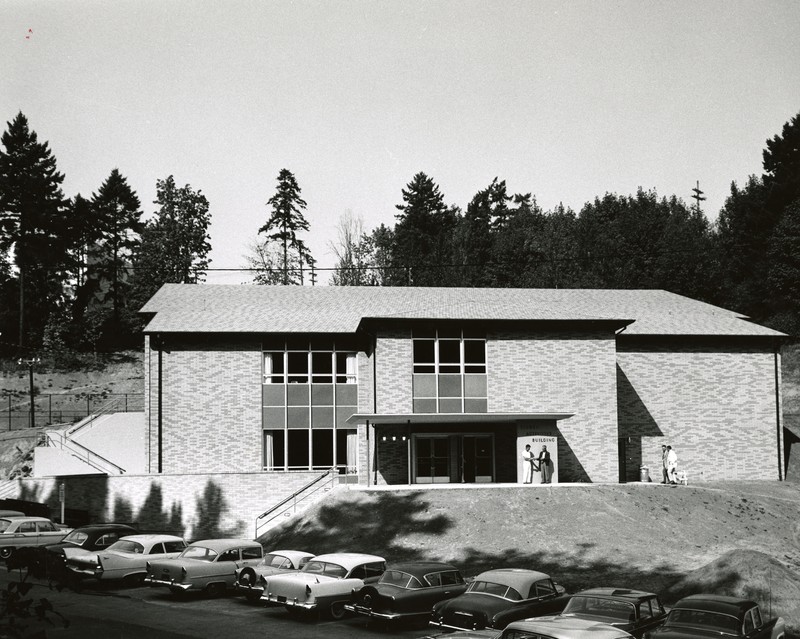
191,504
561,372
212,407
395,362
716,406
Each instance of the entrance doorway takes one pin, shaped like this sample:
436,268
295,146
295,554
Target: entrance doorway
442,459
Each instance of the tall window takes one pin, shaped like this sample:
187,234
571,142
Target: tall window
310,390
449,371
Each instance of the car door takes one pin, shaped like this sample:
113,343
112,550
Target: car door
26,534
543,599
650,615
48,533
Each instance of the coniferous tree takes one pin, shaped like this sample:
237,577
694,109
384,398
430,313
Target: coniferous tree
112,237
34,220
174,245
283,225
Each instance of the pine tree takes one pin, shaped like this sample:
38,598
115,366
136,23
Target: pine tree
34,220
284,223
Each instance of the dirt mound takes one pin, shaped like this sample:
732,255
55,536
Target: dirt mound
750,574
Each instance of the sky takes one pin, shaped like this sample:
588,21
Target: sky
564,100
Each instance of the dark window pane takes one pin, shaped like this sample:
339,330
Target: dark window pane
424,351
343,456
322,448
322,365
474,352
449,351
297,453
274,448
298,367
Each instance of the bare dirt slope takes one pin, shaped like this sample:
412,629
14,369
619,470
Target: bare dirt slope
733,538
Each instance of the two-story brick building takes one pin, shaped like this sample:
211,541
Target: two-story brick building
421,385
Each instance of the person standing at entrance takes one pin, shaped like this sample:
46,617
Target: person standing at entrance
527,465
664,474
672,466
544,465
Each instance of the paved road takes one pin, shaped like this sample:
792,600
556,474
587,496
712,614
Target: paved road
131,613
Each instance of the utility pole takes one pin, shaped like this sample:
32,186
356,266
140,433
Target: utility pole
697,197
31,362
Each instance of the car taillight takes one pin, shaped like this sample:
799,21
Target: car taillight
99,567
308,590
183,571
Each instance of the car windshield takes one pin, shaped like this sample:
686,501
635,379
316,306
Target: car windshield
4,524
400,579
601,607
125,545
200,553
76,537
491,588
715,621
325,568
276,561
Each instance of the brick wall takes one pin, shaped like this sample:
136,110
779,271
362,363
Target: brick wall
561,372
194,505
714,404
212,406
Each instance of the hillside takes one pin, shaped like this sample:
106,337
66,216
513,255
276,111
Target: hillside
730,538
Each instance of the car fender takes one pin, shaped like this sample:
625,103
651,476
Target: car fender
335,588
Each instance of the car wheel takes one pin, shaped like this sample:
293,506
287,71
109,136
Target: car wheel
132,581
337,610
215,590
253,597
5,553
247,577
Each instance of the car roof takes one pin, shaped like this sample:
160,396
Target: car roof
92,527
421,568
291,554
568,628
716,603
518,578
348,560
617,593
150,538
225,544
13,518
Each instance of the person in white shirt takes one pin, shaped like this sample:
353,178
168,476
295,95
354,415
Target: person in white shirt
672,465
527,465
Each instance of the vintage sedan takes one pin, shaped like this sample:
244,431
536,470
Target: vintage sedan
497,597
717,615
126,559
81,541
325,584
250,580
560,627
26,532
205,566
634,611
408,590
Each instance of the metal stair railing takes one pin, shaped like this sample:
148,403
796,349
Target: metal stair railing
95,460
105,409
289,505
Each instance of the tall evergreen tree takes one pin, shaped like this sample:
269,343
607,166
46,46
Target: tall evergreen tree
782,166
174,245
112,238
284,223
34,221
423,236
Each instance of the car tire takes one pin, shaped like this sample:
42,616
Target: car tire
215,589
253,597
337,611
6,552
133,581
247,577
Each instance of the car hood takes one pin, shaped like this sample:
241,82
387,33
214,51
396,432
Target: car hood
685,632
623,625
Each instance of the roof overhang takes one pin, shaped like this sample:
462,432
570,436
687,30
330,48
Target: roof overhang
379,419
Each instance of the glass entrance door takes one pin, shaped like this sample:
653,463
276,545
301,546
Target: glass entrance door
432,460
477,459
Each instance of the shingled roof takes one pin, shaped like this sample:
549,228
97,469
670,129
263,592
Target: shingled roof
207,308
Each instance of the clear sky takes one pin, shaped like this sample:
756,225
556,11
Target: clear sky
567,100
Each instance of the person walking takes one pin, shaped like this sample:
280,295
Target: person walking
664,475
544,465
672,466
527,465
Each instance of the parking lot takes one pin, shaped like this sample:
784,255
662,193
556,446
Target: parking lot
129,613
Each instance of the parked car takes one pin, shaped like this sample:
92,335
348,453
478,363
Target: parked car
718,615
208,566
19,531
126,558
497,597
325,584
408,590
634,611
560,627
250,580
83,540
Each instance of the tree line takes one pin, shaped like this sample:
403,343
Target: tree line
74,272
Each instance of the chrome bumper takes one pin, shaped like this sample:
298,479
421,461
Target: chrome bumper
389,616
292,603
168,583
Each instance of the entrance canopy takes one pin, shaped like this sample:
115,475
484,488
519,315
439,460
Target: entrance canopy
377,419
